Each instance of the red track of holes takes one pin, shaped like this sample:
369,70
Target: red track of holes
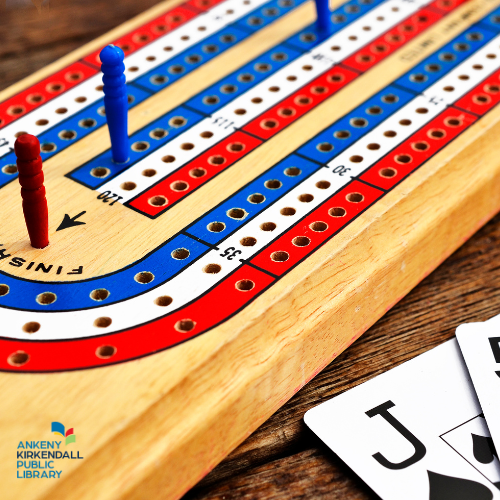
195,173
316,227
147,33
43,91
394,39
446,5
54,85
299,103
206,312
483,97
412,153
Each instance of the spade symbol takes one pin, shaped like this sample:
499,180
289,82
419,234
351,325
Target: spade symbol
483,448
443,487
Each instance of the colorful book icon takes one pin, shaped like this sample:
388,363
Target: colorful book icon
69,435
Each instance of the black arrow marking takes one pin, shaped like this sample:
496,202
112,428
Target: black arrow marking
70,222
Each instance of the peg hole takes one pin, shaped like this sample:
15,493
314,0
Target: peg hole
144,277
105,351
31,327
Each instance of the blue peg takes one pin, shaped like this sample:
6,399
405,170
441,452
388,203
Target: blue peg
115,101
323,21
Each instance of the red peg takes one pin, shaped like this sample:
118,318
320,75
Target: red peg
29,166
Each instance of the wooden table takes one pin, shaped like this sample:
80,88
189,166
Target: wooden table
283,459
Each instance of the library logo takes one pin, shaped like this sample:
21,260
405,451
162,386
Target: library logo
45,459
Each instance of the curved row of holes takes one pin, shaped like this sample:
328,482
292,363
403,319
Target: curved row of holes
146,277
20,358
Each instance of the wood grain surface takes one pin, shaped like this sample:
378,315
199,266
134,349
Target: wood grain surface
283,459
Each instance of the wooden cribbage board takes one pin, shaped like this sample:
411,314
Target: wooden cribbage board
284,190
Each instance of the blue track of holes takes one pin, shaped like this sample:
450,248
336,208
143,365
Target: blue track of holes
121,285
182,64
160,262
199,228
361,120
240,81
432,69
84,175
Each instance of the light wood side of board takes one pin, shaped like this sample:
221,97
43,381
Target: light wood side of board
151,428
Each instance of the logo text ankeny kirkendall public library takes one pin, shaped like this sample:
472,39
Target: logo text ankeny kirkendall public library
39,459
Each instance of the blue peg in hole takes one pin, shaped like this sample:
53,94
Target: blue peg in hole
115,101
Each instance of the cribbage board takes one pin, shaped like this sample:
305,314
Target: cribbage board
285,188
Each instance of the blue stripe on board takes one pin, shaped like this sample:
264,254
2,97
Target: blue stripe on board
434,67
182,64
74,128
361,120
253,198
215,97
268,13
142,143
121,285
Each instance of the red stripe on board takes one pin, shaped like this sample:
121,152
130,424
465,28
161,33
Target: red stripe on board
412,153
483,97
195,173
147,33
302,239
206,312
391,41
303,100
203,5
43,91
446,5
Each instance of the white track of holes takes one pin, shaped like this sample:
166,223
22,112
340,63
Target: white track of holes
137,64
193,281
258,99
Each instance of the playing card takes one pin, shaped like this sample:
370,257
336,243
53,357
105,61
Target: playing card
480,346
415,432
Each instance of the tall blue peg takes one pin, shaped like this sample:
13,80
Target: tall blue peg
115,101
323,21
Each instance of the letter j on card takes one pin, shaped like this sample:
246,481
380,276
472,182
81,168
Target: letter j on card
415,432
